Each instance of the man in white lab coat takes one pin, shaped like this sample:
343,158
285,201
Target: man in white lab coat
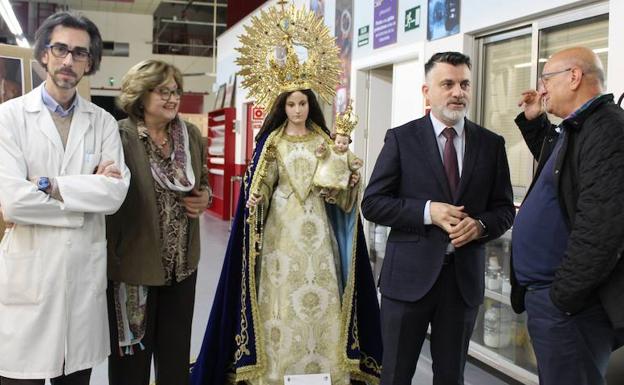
61,171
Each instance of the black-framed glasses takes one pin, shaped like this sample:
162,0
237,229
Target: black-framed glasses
166,93
62,50
547,75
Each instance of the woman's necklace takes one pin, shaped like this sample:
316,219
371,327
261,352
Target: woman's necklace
161,143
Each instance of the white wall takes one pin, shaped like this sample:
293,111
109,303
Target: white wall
412,50
477,16
364,15
137,31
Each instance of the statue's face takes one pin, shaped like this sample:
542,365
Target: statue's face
297,107
342,143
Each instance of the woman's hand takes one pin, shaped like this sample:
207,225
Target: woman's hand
196,202
254,200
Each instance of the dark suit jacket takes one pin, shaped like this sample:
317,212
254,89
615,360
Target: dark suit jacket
408,172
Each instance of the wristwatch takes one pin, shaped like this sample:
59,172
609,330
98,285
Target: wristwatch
43,183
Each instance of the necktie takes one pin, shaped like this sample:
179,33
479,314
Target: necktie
450,160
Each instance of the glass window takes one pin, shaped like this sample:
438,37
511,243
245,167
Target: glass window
506,65
506,73
591,33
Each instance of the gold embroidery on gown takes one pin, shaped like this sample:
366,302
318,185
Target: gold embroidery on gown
298,294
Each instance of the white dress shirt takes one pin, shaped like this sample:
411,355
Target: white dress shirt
459,141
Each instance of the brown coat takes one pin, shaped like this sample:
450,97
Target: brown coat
133,233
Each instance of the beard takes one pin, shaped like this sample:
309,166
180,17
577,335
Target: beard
451,116
65,83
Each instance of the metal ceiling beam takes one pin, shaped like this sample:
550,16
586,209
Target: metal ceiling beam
181,44
192,22
199,3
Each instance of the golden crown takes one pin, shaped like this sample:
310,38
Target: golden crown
346,122
288,49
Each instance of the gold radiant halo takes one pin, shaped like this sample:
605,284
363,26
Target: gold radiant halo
273,55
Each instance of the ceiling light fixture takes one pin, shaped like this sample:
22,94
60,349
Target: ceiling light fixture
9,17
22,41
6,10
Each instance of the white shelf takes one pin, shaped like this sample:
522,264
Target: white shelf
216,171
217,160
496,296
502,364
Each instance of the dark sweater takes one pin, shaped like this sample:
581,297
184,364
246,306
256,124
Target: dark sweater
540,231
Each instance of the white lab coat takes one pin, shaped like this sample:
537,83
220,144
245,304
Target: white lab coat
53,262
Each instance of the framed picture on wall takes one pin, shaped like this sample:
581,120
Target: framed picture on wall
11,78
442,18
220,97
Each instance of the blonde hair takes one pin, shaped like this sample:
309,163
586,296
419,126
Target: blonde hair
142,78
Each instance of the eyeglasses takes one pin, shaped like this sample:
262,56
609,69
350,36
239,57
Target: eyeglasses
62,50
166,93
546,76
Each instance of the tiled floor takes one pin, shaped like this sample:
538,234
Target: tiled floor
214,237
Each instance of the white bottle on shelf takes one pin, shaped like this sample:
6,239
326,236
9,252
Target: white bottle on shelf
497,326
493,279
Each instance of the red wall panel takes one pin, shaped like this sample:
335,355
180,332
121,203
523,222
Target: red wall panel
192,104
238,9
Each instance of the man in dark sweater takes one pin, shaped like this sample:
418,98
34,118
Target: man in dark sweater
569,233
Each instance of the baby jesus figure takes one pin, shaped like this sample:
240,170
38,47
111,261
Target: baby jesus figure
336,163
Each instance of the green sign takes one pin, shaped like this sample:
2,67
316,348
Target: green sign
363,34
412,18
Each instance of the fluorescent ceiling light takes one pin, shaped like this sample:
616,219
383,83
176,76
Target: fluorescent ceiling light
601,50
9,17
22,41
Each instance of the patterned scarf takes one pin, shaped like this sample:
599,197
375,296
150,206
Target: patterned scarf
182,178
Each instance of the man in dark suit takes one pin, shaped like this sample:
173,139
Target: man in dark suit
443,200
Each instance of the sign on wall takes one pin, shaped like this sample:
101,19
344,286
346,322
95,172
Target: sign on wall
385,23
363,35
412,18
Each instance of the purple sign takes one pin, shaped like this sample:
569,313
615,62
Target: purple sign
385,23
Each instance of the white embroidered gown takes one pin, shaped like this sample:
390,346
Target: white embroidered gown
298,294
